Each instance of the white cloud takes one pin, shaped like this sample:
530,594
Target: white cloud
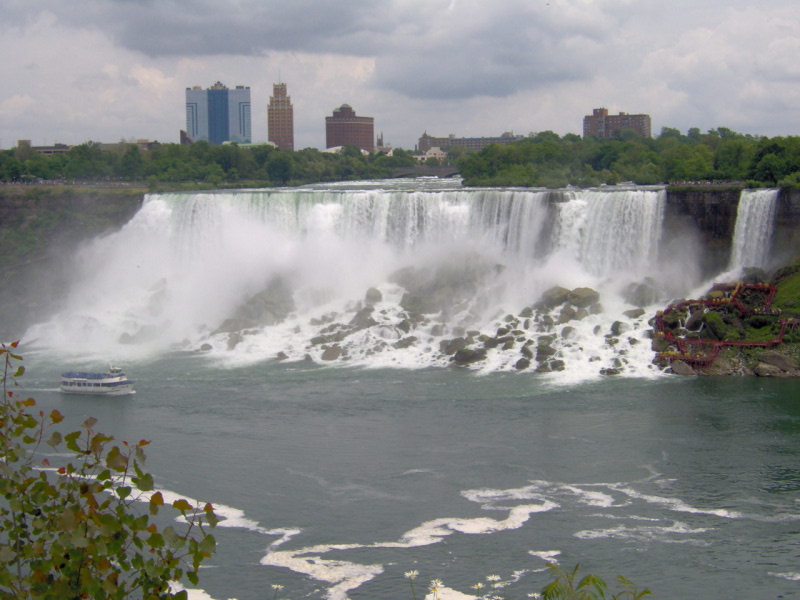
110,69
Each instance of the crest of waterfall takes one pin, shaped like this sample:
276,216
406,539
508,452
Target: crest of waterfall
755,221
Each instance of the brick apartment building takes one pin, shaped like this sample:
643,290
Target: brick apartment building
345,128
601,124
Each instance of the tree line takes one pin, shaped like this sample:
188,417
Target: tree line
199,162
543,159
721,155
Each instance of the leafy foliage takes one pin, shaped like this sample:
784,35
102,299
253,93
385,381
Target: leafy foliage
567,586
545,159
200,162
76,530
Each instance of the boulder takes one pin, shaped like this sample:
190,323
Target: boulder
522,363
332,352
467,356
555,296
583,297
406,342
767,370
777,359
452,346
566,315
641,294
363,318
373,296
634,313
618,328
681,368
544,351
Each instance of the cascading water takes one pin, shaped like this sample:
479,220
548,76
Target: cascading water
386,277
755,221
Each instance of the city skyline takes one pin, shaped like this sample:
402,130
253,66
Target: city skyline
107,71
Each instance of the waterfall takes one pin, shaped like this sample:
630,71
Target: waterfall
755,221
611,231
251,274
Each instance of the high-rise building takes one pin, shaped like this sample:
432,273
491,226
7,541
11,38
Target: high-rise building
601,124
218,114
280,118
344,128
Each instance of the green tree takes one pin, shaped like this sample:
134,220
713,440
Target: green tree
75,530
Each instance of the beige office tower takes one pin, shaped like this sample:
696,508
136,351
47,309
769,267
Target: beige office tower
280,118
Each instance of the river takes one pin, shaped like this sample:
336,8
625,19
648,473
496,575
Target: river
335,478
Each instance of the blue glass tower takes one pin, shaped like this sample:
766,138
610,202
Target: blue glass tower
218,114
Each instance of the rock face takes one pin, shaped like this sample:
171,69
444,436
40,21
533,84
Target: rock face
268,307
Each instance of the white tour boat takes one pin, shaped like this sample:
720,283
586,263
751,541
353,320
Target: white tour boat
112,383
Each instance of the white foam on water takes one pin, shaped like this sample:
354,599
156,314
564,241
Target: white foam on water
790,576
663,534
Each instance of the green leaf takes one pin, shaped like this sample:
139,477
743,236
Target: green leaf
55,440
115,460
144,483
181,505
20,371
123,492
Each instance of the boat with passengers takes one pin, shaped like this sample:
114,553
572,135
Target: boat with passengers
111,383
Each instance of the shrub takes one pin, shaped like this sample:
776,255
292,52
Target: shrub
76,530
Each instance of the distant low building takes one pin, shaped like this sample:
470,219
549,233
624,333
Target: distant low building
601,124
426,142
48,150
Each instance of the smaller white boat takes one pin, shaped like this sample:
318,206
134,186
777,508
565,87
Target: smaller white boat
111,383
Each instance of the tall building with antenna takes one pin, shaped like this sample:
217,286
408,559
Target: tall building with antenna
280,118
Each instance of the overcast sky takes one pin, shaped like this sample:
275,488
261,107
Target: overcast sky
105,70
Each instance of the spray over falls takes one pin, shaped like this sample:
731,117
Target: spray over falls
548,281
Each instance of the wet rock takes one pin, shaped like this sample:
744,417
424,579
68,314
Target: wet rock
281,355
437,330
641,294
268,307
522,363
581,314
555,296
618,328
373,296
332,352
681,368
567,332
234,339
206,347
609,371
468,356
583,297
450,347
363,318
566,315
634,313
544,351
779,360
596,309
766,370
406,342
